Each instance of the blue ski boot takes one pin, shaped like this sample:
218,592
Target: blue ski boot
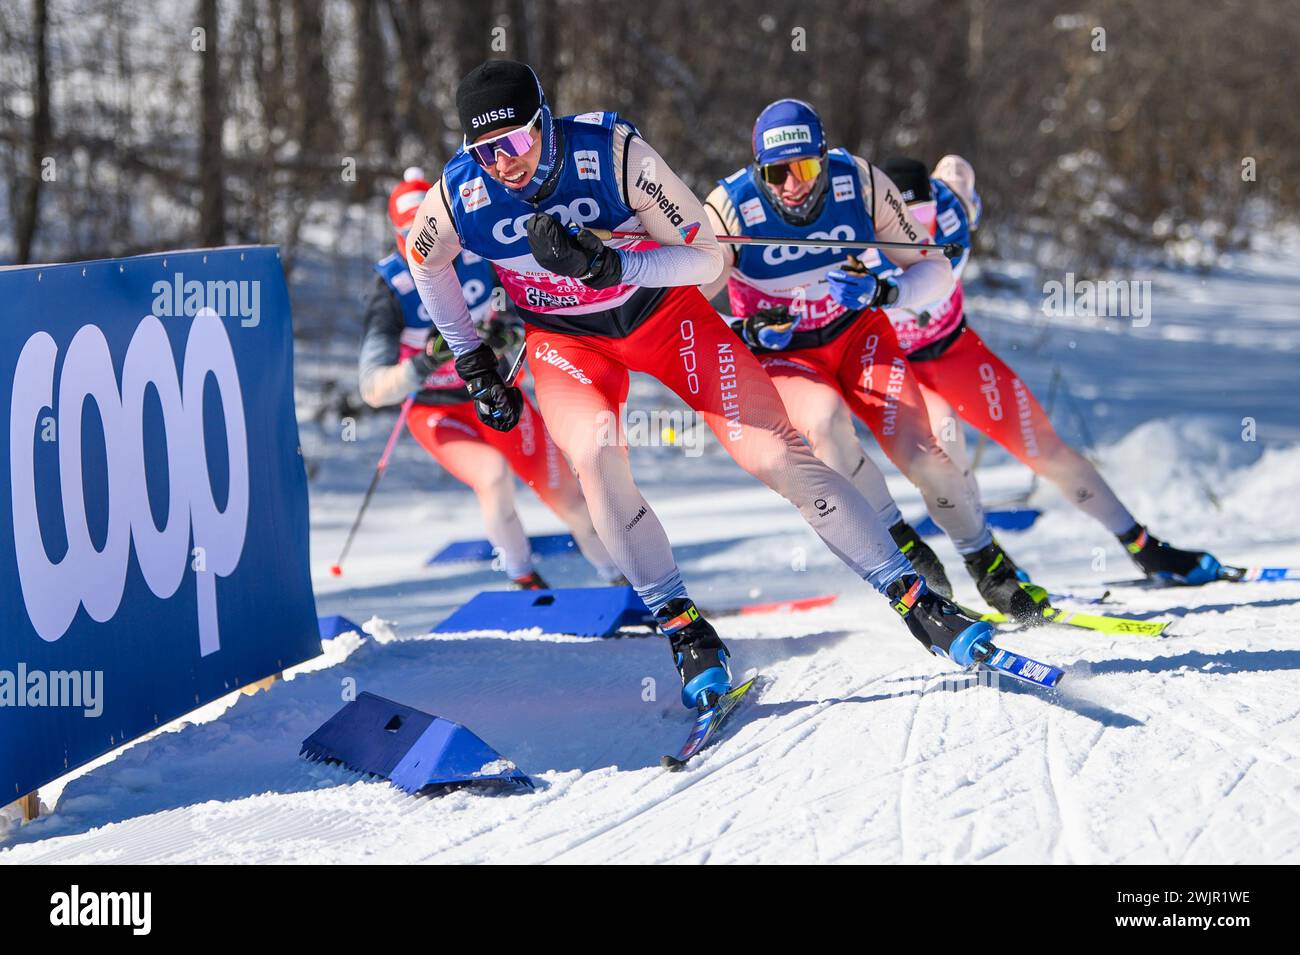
700,655
1162,562
940,626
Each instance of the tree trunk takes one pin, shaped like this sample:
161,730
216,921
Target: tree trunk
318,130
373,103
212,180
27,211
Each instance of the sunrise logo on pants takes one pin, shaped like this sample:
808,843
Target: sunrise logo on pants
545,353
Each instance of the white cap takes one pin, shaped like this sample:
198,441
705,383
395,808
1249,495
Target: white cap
960,177
412,173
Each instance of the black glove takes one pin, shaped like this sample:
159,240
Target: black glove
770,328
498,405
576,253
436,354
502,337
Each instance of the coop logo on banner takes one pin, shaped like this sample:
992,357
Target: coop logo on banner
96,578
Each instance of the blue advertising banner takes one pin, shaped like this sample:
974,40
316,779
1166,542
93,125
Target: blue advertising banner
153,500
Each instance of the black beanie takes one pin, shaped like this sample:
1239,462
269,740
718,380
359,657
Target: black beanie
498,94
910,176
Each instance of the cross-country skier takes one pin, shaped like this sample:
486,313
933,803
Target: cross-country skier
401,352
820,332
956,369
524,192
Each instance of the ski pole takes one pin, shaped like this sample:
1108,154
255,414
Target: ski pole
337,569
952,250
517,365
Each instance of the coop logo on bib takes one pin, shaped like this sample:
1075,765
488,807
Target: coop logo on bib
94,576
751,210
785,135
777,254
474,195
580,211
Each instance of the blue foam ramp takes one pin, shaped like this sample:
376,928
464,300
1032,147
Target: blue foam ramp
544,545
335,624
1011,519
410,748
581,611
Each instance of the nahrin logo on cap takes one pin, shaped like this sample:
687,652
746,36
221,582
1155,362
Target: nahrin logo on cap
784,135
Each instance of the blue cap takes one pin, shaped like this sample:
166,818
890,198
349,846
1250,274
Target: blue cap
787,129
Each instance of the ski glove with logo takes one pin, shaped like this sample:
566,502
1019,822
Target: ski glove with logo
854,287
498,405
568,250
770,328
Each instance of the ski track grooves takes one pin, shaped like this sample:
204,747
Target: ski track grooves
707,766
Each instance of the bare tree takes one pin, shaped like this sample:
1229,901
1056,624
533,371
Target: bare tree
27,211
212,173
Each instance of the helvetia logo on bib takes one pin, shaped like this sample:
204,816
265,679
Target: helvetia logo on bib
96,578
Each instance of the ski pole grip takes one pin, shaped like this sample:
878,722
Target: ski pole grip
953,251
853,265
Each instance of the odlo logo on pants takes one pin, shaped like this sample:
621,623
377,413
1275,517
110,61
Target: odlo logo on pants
989,388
